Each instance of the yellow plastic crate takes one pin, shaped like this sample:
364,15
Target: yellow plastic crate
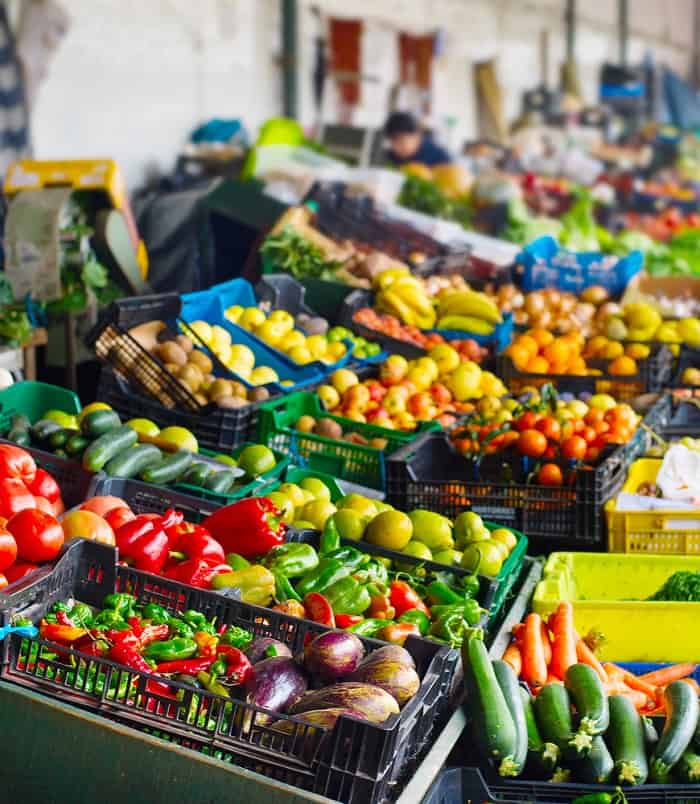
609,591
661,531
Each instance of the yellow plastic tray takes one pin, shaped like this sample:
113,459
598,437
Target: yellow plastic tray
658,532
609,594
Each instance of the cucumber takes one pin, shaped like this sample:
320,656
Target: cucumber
508,682
688,767
132,460
553,713
493,727
682,711
169,469
99,422
591,702
597,766
58,439
76,444
541,757
197,474
651,736
625,740
107,446
43,429
220,482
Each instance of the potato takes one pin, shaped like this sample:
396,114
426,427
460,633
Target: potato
202,361
171,352
238,389
219,388
258,394
191,375
184,343
201,399
328,428
230,402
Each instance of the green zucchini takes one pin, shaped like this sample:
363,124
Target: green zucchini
553,713
651,736
688,767
97,455
99,422
597,766
76,444
589,697
42,429
682,711
508,682
58,439
169,469
220,482
625,740
542,757
133,460
197,474
493,727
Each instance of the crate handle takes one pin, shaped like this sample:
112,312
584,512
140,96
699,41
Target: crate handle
22,630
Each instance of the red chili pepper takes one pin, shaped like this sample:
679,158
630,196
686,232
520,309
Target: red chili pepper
196,572
58,632
63,619
346,620
44,486
152,633
197,544
125,653
319,609
238,666
143,544
14,496
93,647
249,527
404,597
16,462
189,667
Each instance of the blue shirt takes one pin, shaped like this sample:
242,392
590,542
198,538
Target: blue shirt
428,153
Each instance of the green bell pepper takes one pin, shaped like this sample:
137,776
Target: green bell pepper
368,627
236,636
332,567
237,562
109,618
291,560
198,621
373,572
180,627
330,537
417,617
120,602
156,614
283,589
81,614
439,593
348,596
172,650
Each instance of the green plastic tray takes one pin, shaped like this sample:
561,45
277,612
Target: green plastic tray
356,463
34,399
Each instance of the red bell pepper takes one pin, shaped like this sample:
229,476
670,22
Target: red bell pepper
19,569
249,527
143,544
404,597
150,633
196,572
189,667
16,462
44,486
14,496
175,531
319,609
238,666
196,544
347,620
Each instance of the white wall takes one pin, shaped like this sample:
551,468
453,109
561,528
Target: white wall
134,77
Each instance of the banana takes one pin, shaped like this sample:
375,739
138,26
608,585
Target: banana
388,277
389,302
466,323
472,304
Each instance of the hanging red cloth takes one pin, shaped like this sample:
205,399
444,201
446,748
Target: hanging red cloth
416,59
345,56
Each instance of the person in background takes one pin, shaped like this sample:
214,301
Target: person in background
409,143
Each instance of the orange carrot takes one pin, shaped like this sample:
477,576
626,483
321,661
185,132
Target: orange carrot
534,665
553,680
564,643
636,683
613,672
518,630
546,644
513,657
639,699
665,675
615,687
585,654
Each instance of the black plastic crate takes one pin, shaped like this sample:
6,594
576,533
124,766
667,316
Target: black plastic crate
654,374
217,429
683,420
429,473
688,358
473,786
354,761
283,292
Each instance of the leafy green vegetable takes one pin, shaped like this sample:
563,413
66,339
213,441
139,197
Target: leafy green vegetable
580,228
15,328
425,196
681,586
291,252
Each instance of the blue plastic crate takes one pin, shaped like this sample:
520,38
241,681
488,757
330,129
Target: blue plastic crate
640,668
547,265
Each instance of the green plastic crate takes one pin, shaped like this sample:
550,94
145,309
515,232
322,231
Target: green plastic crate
355,463
33,399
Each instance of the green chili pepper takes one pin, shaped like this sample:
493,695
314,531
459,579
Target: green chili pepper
471,583
291,560
237,562
171,651
348,596
333,567
81,614
109,618
283,589
236,636
120,602
156,614
210,683
441,594
417,617
180,627
218,668
368,627
198,621
22,621
330,537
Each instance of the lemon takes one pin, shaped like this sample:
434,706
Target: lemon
256,460
317,487
202,330
233,313
263,375
292,339
91,408
181,437
318,512
294,493
144,427
243,354
317,345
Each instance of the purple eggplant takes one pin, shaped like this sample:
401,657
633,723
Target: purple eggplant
368,701
333,655
276,684
265,648
397,678
394,653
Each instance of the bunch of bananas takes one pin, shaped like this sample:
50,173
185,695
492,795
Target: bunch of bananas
402,295
468,311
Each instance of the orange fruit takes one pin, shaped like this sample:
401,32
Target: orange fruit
520,355
612,350
623,365
595,345
638,351
537,365
527,343
558,351
578,366
541,336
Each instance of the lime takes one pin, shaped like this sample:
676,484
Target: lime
229,460
316,487
143,427
318,512
502,547
449,557
432,529
350,524
357,502
307,497
66,420
256,460
469,528
418,549
181,437
390,529
505,536
283,502
486,556
91,408
294,492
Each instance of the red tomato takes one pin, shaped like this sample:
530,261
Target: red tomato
574,448
14,496
19,569
58,507
550,428
86,525
550,474
592,454
550,452
527,421
44,505
118,517
39,536
532,443
8,549
16,462
319,609
44,486
103,505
